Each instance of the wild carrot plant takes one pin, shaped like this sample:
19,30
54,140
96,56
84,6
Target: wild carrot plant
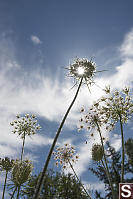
105,113
82,71
23,126
95,119
21,173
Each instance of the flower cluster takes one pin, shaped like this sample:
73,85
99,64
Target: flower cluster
97,152
108,110
21,172
6,164
82,68
65,155
119,106
26,125
94,118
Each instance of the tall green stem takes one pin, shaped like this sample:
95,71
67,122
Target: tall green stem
18,192
21,160
4,185
79,180
123,151
106,165
23,147
39,184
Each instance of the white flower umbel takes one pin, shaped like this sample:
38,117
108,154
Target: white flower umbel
65,155
82,68
26,125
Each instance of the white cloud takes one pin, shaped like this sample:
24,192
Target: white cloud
123,76
35,39
115,141
126,48
95,186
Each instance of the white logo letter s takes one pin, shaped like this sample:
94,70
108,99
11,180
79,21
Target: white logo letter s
126,188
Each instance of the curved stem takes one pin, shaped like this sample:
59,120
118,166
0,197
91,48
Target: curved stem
40,182
23,147
123,151
4,185
105,160
18,192
79,180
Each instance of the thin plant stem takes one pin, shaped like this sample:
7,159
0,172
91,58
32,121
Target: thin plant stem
78,179
18,192
123,151
105,160
40,181
23,147
21,160
103,164
4,185
13,193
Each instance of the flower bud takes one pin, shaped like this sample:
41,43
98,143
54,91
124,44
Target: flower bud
21,172
97,152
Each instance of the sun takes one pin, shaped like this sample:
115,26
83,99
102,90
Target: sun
80,70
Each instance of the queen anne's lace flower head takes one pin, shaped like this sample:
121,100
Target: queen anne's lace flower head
94,118
108,110
119,105
65,155
25,125
6,164
21,172
82,68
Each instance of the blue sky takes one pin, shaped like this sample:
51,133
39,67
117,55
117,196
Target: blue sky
38,39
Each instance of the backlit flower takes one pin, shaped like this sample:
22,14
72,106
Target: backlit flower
82,68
